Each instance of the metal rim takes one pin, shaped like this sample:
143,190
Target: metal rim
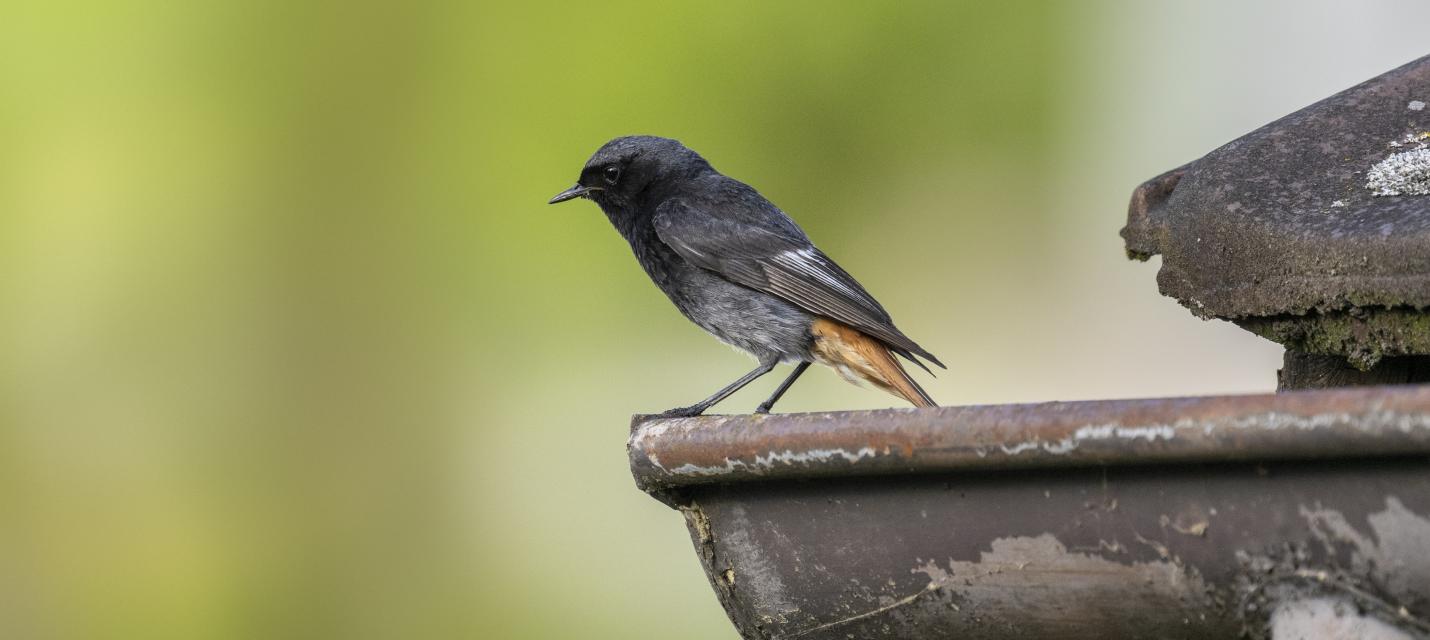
1359,422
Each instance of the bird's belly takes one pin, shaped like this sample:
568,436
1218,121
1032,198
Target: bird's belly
755,322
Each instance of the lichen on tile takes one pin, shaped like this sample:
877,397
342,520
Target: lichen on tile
1401,174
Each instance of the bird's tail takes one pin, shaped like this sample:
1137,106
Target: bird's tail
859,357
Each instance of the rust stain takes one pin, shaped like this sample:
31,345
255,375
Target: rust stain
1309,424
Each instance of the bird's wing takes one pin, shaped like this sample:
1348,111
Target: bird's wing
776,258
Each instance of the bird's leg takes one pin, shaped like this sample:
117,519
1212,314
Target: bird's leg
784,386
700,407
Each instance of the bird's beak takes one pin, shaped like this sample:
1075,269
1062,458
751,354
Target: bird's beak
577,191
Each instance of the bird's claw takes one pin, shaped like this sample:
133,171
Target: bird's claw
682,412
763,409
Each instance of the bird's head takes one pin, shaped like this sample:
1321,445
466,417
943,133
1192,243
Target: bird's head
625,168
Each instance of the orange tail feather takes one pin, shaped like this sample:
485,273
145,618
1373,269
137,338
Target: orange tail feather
859,357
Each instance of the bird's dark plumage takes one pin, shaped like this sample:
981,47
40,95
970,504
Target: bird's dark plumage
740,268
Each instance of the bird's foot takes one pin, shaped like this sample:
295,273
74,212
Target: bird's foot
763,408
683,412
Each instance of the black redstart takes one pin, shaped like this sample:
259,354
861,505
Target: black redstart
736,265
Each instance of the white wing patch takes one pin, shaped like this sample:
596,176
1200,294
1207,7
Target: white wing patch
806,262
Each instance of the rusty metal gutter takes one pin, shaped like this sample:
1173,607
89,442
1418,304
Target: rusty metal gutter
1157,518
1296,425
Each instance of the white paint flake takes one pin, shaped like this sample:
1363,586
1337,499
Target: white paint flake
769,460
1330,619
1396,550
1272,421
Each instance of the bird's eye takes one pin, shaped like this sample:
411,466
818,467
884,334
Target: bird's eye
612,174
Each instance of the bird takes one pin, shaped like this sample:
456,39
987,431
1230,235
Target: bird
740,268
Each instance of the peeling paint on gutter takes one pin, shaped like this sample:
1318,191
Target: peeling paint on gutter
1318,511
1369,423
1298,425
772,459
1095,432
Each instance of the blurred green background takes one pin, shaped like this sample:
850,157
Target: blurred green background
292,346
